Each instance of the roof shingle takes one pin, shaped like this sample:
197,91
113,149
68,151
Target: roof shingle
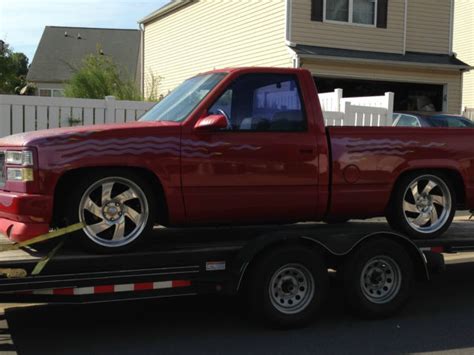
63,47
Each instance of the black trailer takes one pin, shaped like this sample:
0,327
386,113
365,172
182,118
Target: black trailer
282,270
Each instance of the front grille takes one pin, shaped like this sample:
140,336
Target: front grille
2,169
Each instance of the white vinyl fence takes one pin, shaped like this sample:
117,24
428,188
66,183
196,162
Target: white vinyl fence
356,111
469,113
30,113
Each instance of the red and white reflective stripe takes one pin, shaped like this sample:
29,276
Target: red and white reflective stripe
436,249
91,290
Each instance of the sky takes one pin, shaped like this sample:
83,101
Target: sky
22,21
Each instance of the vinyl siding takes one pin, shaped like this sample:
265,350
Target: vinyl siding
464,44
211,34
428,26
451,78
390,39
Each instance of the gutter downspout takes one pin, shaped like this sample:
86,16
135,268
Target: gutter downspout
288,42
142,58
451,28
405,28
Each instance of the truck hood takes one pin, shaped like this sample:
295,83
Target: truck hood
81,133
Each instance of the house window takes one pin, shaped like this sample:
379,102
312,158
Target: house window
51,92
361,12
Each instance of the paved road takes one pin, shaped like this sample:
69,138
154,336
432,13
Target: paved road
440,318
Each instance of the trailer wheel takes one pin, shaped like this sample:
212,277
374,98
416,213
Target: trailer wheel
378,278
287,286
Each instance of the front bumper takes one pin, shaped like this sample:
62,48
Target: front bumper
24,216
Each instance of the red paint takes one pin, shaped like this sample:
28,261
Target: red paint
63,291
437,249
180,283
18,231
104,289
143,286
211,177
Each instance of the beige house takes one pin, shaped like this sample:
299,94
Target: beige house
366,47
464,45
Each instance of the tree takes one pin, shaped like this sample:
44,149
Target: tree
13,70
98,76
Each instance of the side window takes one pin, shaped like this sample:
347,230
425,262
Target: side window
438,122
263,102
408,121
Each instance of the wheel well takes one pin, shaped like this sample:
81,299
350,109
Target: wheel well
247,266
452,175
331,260
421,271
70,177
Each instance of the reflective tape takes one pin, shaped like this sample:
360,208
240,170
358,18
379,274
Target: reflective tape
105,289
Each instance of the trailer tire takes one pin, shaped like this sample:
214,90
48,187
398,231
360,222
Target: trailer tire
378,278
287,286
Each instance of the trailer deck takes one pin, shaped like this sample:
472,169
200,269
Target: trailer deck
174,262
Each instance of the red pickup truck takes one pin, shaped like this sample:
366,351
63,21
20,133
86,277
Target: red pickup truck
233,146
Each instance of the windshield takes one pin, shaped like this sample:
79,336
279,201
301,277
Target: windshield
178,104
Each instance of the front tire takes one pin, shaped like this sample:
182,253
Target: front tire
117,208
422,205
287,286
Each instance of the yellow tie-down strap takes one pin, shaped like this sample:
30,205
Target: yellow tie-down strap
14,273
42,238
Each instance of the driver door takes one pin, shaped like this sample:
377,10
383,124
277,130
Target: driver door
263,167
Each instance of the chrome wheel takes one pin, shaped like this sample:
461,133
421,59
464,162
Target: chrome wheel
380,280
427,204
114,211
291,288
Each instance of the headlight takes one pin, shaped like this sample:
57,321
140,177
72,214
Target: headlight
23,157
20,174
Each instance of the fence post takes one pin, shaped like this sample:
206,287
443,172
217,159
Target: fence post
338,93
5,118
110,106
389,97
349,118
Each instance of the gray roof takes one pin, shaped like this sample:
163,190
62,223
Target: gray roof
407,58
61,47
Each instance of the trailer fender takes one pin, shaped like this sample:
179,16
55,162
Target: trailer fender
332,246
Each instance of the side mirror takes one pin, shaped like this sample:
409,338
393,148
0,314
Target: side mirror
211,123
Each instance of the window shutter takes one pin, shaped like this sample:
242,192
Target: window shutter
382,13
317,10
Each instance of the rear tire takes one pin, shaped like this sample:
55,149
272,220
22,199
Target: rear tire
422,205
378,279
117,208
287,286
